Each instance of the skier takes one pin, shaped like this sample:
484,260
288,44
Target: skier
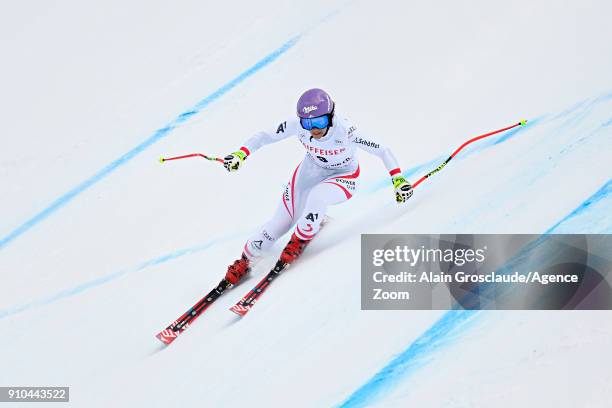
327,175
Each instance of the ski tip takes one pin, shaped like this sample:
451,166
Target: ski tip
239,310
166,337
161,160
524,122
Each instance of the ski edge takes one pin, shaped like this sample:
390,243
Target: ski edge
248,301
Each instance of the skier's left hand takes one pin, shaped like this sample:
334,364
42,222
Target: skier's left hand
403,189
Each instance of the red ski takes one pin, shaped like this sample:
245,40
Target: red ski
246,303
170,333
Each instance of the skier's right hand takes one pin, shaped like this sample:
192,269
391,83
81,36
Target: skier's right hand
233,161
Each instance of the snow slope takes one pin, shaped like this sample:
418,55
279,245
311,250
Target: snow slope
101,246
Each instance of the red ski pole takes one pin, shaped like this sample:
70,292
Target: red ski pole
163,159
441,166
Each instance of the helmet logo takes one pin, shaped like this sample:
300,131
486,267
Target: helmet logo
308,109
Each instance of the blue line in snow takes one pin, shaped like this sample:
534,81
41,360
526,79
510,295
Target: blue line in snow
453,322
155,137
604,192
75,290
415,356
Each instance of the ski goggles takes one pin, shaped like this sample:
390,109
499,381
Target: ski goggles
320,122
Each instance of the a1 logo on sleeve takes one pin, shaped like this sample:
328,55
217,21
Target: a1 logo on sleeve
351,132
281,127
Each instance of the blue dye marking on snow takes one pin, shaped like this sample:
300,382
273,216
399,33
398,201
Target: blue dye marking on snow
597,217
94,283
452,324
415,356
157,136
569,110
578,112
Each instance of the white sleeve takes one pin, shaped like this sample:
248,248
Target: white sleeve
282,131
377,148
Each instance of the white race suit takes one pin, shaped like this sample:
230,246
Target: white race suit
328,175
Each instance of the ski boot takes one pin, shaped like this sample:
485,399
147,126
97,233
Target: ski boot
238,269
294,249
